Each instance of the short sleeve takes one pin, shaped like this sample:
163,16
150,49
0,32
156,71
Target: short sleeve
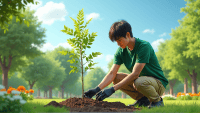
117,59
143,54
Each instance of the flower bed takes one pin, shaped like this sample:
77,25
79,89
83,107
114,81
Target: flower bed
12,99
183,96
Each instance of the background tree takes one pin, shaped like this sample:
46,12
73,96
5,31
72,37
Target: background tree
13,7
42,69
15,81
17,43
160,55
180,65
191,22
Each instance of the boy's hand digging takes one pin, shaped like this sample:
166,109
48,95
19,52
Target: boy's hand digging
106,93
90,93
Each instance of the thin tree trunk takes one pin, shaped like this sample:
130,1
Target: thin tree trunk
185,86
38,92
58,94
50,92
46,94
193,77
123,95
62,96
82,73
171,84
5,70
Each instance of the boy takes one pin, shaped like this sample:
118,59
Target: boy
146,82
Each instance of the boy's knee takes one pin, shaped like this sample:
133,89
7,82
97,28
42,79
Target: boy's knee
119,77
138,82
115,81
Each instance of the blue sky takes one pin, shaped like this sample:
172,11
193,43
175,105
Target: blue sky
151,20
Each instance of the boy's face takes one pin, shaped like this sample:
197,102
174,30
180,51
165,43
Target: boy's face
123,42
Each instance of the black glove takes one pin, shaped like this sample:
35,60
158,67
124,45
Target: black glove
106,93
90,93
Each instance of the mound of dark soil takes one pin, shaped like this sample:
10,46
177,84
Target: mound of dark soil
90,105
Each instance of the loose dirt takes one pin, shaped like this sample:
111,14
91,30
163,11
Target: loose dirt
90,105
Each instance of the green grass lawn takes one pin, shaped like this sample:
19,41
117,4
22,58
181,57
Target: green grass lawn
170,106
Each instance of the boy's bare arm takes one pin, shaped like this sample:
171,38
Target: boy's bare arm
106,80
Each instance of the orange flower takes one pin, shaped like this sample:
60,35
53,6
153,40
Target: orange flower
27,91
3,89
192,95
31,90
21,88
179,92
9,91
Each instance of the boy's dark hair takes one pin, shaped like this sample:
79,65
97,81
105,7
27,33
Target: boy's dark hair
119,29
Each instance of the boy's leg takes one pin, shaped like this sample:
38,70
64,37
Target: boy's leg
129,89
151,87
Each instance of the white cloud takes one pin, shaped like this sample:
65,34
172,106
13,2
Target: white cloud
50,12
155,44
149,31
109,57
93,16
164,34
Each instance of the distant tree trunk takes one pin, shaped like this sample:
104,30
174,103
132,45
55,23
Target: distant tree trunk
163,93
44,94
70,95
123,95
50,92
5,70
66,95
185,86
58,94
171,84
62,96
38,94
193,77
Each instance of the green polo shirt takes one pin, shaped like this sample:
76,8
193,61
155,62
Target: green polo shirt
142,53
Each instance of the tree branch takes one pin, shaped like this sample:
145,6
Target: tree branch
189,73
9,62
194,74
4,61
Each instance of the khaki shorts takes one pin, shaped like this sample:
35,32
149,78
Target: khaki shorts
147,86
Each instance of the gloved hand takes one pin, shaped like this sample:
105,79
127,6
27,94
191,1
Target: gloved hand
90,93
106,93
